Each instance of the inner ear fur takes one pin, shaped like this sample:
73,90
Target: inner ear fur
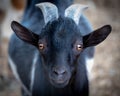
25,34
96,36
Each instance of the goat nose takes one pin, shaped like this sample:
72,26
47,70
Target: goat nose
59,71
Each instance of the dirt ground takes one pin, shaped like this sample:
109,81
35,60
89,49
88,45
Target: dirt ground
106,70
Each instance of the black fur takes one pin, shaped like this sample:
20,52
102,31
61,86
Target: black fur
59,59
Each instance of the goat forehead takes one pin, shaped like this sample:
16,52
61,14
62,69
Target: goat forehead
65,30
61,33
62,27
65,27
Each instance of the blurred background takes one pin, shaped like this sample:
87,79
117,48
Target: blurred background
105,80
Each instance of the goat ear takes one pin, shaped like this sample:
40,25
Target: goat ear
96,36
24,34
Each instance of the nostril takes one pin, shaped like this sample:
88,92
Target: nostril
55,72
64,72
59,71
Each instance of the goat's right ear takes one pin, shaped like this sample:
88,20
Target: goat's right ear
25,34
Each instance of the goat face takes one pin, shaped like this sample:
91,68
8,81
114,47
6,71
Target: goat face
60,44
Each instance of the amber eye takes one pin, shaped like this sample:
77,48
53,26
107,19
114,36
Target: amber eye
79,47
41,46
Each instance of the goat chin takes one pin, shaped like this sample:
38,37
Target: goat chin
59,83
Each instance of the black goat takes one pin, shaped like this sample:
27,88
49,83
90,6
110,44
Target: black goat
55,62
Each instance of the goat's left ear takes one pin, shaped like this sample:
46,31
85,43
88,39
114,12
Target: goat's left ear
25,34
96,36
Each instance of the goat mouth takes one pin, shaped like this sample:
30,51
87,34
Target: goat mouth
59,83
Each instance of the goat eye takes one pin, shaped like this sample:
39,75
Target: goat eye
79,47
41,46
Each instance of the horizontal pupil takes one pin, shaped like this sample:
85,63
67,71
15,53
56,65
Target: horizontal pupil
41,46
79,47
